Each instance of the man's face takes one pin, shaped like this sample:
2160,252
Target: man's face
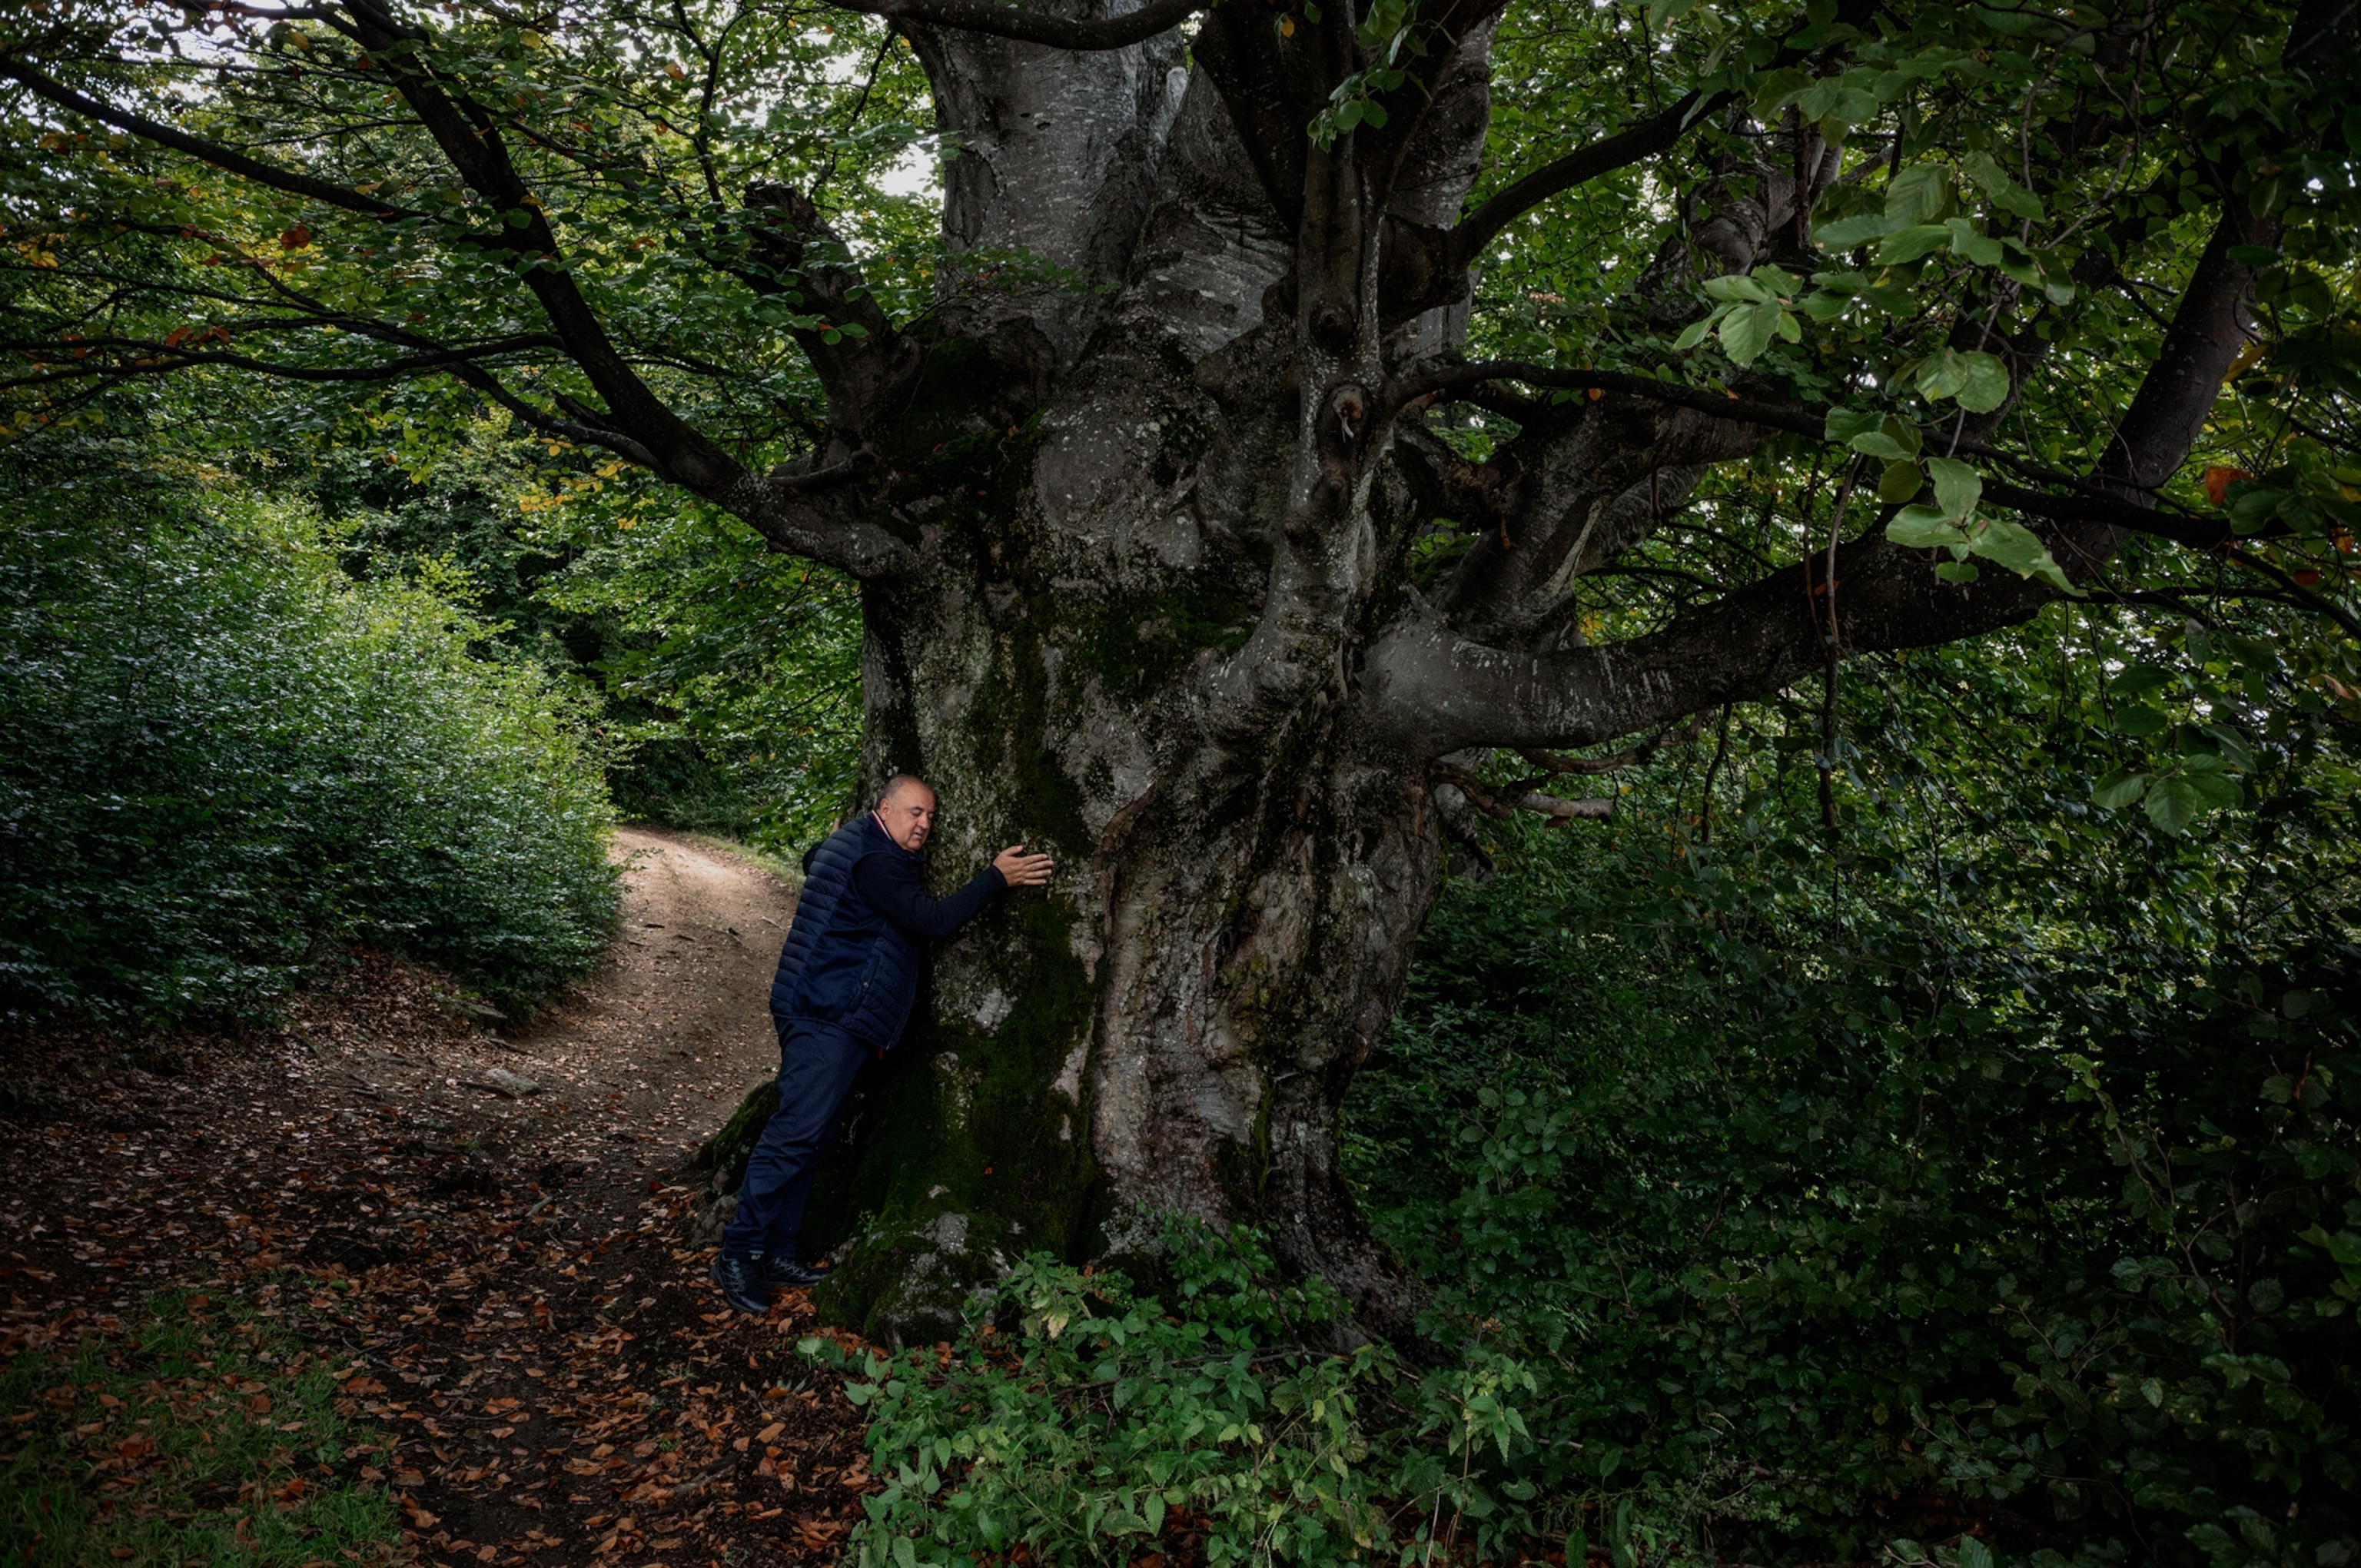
908,815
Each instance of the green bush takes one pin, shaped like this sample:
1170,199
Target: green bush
2083,1267
1109,1417
220,759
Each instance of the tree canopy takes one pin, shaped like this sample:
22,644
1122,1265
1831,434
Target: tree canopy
624,223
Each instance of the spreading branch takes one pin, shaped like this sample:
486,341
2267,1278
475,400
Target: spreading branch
2093,501
226,159
151,357
867,372
1652,136
1446,691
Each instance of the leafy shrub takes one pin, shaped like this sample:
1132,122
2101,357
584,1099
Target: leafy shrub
1995,1162
1106,1419
1225,1419
220,758
1909,1270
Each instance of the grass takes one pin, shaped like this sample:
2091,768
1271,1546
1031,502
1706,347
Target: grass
205,1433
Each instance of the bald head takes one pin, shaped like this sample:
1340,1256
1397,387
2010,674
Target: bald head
902,783
906,810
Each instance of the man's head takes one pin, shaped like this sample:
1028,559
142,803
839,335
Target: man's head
906,810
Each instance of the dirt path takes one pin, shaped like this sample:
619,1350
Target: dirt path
503,1278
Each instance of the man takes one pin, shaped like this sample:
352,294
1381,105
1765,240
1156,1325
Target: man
847,978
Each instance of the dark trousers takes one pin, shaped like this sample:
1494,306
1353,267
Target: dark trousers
817,1067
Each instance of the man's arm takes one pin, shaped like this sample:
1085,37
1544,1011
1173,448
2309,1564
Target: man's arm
896,888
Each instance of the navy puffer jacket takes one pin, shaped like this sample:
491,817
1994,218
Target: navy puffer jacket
844,963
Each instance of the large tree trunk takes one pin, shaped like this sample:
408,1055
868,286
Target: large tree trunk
1172,1024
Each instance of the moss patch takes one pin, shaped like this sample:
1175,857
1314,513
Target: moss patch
723,1156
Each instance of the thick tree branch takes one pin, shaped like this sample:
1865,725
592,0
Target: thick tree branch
1444,692
156,357
1495,801
867,373
471,142
2094,500
1034,27
1652,136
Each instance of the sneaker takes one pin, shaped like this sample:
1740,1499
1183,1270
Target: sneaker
741,1283
783,1272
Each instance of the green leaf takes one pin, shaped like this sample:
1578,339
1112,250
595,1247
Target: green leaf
2254,506
1891,441
2173,803
1775,90
1974,1554
1957,487
1901,482
1824,305
1879,445
1907,245
2018,548
1843,234
2215,787
1993,181
2139,722
1923,528
1987,383
1695,333
1373,114
2235,752
1746,331
1961,572
1843,425
2119,789
1918,196
1980,381
1736,287
1971,245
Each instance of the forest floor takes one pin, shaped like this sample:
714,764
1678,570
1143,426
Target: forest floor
491,1292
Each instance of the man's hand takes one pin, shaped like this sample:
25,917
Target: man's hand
1020,870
